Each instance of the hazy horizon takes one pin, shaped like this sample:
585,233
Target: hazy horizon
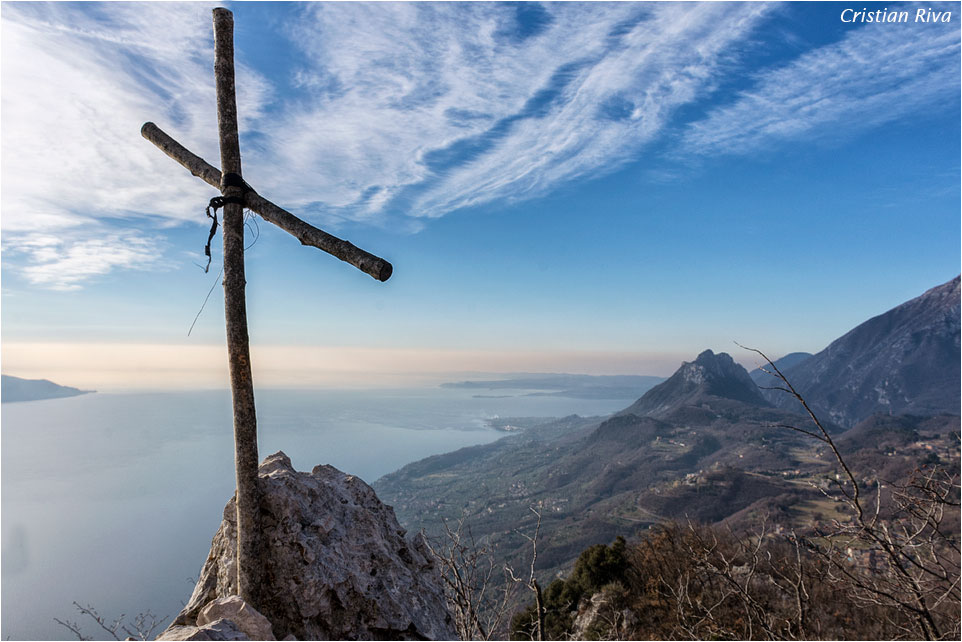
165,368
169,368
598,188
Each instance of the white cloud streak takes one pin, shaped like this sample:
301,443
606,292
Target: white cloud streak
56,263
74,101
876,74
78,83
401,110
397,83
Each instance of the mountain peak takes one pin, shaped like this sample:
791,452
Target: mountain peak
710,365
709,378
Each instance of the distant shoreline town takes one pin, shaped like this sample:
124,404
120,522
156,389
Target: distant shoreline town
883,15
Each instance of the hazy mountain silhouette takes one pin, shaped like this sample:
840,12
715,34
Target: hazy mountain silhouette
763,379
17,389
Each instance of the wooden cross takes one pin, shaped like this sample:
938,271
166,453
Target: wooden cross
237,195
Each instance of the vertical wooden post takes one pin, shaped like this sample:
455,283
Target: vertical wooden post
250,563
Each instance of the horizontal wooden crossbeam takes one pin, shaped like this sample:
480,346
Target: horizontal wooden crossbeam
306,233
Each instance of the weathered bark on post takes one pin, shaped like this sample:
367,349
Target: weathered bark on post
251,548
306,233
250,558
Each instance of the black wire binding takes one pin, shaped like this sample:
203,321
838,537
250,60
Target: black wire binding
229,180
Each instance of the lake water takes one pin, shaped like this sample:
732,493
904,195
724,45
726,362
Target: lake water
112,500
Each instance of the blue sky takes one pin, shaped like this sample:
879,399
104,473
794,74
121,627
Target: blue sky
582,187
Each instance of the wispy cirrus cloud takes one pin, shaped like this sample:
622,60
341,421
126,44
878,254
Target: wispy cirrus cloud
432,107
874,75
410,108
78,83
60,262
76,88
403,111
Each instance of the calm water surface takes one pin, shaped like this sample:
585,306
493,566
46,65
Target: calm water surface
112,499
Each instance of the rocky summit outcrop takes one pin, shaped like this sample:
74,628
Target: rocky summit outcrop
707,380
339,566
222,630
603,616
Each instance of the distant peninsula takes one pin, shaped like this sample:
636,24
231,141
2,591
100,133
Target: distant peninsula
578,386
17,389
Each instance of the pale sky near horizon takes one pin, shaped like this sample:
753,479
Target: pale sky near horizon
607,188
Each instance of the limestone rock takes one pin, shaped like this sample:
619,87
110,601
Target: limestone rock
604,616
589,611
217,630
254,625
339,566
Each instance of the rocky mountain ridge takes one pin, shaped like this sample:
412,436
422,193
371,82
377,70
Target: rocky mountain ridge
705,445
904,361
597,478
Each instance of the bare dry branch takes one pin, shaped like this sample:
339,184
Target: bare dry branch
919,568
142,627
